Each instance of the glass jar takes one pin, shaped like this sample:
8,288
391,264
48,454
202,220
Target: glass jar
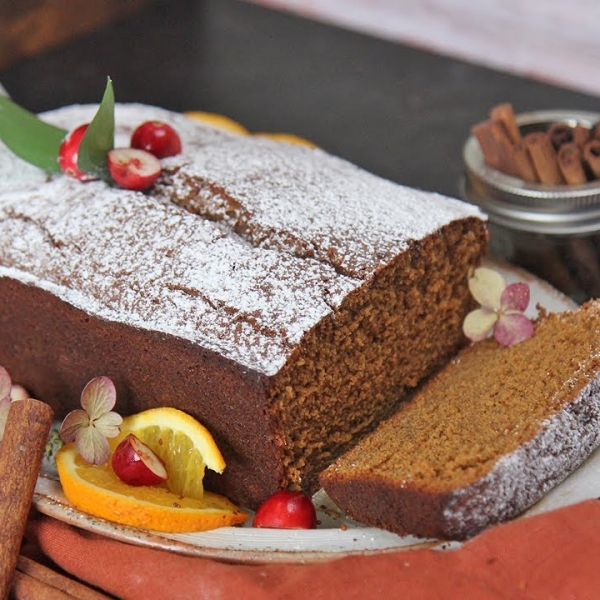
552,231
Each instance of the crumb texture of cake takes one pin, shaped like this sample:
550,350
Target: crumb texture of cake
284,297
483,439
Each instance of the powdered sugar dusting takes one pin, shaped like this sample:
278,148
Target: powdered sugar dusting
282,234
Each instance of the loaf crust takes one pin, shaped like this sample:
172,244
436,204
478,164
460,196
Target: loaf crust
282,296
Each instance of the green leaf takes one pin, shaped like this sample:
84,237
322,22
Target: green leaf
99,137
29,137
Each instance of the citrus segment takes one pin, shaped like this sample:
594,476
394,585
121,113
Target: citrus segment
184,444
288,137
97,490
217,120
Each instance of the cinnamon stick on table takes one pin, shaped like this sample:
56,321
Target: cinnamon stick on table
34,580
21,453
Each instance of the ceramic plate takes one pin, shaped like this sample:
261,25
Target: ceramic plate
336,535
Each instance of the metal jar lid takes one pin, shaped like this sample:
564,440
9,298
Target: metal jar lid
536,208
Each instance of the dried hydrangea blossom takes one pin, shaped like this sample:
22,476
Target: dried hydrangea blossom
501,311
5,387
91,425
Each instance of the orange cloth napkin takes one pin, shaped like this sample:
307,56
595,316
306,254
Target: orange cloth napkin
553,556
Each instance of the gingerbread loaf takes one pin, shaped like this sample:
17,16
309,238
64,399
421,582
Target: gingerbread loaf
284,297
485,438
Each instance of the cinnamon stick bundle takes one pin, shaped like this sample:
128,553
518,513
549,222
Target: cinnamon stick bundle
21,453
533,157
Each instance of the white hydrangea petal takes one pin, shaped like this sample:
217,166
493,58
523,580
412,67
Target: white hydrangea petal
108,424
486,286
92,445
98,397
479,323
72,423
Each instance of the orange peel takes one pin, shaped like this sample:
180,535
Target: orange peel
290,138
96,489
217,120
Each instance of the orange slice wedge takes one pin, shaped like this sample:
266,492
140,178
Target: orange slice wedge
97,490
183,443
217,120
290,138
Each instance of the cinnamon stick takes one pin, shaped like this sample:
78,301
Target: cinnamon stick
490,146
570,163
581,134
21,453
506,115
559,134
523,163
32,575
496,146
543,157
591,156
25,587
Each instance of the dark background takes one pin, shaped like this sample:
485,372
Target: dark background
397,111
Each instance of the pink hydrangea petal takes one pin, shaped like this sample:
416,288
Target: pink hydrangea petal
515,297
108,424
5,383
478,324
72,423
512,329
92,445
98,397
4,408
486,286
